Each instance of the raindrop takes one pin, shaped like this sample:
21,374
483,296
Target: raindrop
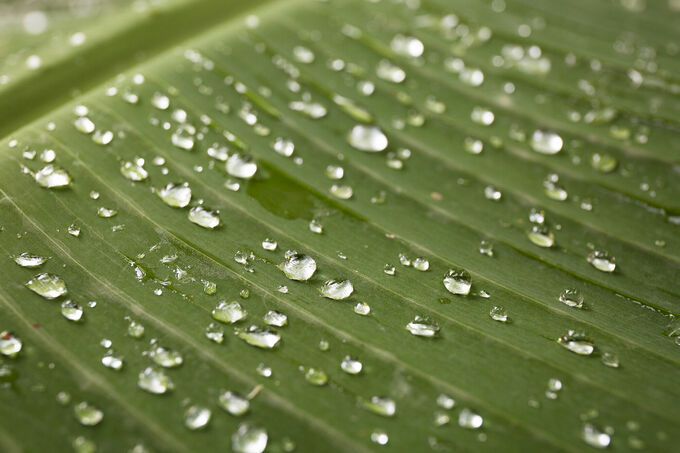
609,359
84,124
602,261
106,213
499,314
197,417
183,138
214,333
445,401
29,260
381,406
458,281
204,217
367,138
303,54
228,312
469,419
335,172
605,163
421,264
423,327
284,147
342,191
249,439
73,230
154,380
594,437
175,195
52,177
471,76
482,116
389,269
350,365
269,244
572,297
135,329
275,318
134,171
541,236
473,146
380,437
546,142
160,101
577,342
407,46
315,226
234,403
10,344
113,362
390,72
87,414
553,189
297,266
49,286
261,338
362,308
336,289
316,377
102,137
167,358
486,248
71,311
493,194
441,418
241,166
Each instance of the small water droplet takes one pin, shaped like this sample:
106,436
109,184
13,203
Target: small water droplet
106,213
577,342
73,230
420,264
249,439
389,269
499,314
175,195
297,266
10,344
342,191
572,297
469,419
445,401
362,308
160,101
407,46
228,312
197,417
381,406
303,55
610,359
204,217
134,170
283,146
102,137
482,116
241,166
390,72
423,327
350,365
316,377
315,226
234,403
53,177
493,194
29,260
602,261
269,244
87,414
458,281
275,318
167,358
594,437
49,286
367,138
546,142
112,361
336,289
71,311
380,437
541,236
84,124
183,137
154,380
604,163
256,336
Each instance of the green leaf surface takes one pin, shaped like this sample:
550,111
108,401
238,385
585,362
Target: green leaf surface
177,88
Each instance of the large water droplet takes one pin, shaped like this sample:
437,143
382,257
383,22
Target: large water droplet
160,101
71,311
541,236
87,414
275,318
84,124
342,191
350,365
422,327
167,358
284,147
154,380
602,261
367,138
49,286
10,344
297,266
362,308
197,417
183,137
249,439
241,166
112,361
256,336
336,289
204,217
577,342
229,312
234,403
458,281
175,195
546,142
53,177
29,260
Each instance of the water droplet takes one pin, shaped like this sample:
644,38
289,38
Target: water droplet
82,445
134,170
493,194
553,189
389,269
546,142
48,155
269,244
87,414
113,362
577,342
154,380
572,297
336,289
367,138
52,177
342,191
264,370
441,418
605,163
284,147
241,166
423,327
445,401
594,437
350,365
256,336
214,333
335,172
469,419
197,417
160,101
106,213
84,124
29,260
183,137
381,406
249,439
303,54
421,264
362,308
10,344
234,403
482,116
541,236
380,437
315,226
49,286
102,137
313,110
204,217
175,195
275,318
297,266
407,46
324,345
167,358
316,377
228,312
471,76
71,311
73,230
499,313
602,261
610,359
458,281
390,72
